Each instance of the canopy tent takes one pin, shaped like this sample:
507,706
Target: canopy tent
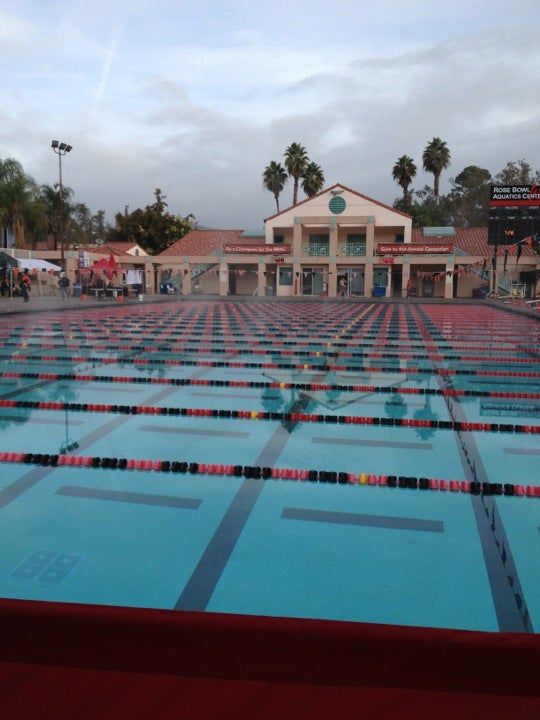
6,261
108,264
37,264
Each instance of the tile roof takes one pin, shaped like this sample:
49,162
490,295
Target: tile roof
207,242
117,248
471,240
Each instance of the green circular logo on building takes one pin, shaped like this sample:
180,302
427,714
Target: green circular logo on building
337,205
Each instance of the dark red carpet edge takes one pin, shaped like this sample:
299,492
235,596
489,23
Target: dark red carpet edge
81,661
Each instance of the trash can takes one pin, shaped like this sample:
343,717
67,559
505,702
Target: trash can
379,291
77,290
268,291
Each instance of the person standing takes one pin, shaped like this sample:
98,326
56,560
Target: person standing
24,286
63,282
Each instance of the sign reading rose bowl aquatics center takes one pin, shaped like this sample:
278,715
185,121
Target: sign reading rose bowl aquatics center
514,213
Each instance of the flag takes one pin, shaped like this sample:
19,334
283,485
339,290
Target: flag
528,240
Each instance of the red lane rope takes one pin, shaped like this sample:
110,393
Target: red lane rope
273,473
432,350
262,415
284,366
444,392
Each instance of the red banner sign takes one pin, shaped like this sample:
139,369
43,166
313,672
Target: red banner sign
416,249
257,249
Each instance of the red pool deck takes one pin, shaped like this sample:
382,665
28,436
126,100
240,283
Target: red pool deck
67,661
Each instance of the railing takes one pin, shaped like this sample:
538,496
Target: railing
315,249
198,269
503,281
352,249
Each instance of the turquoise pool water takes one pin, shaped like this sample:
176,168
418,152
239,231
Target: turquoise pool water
365,462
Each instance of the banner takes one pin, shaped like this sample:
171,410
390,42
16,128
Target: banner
416,249
257,249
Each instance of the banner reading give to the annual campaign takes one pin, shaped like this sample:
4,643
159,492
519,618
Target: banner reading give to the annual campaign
514,213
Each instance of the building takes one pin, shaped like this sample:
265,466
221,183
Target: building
338,243
342,243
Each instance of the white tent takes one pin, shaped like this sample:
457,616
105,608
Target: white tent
36,264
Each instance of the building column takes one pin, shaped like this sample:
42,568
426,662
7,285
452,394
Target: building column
186,278
370,237
333,238
148,277
297,277
406,279
332,279
449,281
261,278
368,278
223,279
370,256
297,237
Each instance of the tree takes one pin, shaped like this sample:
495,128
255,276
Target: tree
274,179
468,201
517,173
436,158
18,194
423,210
56,211
99,226
152,228
296,162
312,179
403,173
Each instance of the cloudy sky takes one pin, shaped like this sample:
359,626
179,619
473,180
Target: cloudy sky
196,97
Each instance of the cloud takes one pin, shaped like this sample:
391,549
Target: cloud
199,97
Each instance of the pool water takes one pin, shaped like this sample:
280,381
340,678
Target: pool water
365,462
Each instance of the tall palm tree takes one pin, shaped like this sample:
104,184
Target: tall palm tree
436,158
17,195
313,179
403,173
274,179
296,161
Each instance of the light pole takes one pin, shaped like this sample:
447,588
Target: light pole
61,148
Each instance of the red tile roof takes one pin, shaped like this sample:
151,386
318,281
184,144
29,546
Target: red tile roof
116,248
471,240
207,242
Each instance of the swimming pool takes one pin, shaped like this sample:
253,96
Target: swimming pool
366,462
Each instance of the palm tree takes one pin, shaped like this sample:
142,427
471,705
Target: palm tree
403,172
313,179
17,196
274,179
436,158
296,162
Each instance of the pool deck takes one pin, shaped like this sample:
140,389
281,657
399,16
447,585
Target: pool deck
16,305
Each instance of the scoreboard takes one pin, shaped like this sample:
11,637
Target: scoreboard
514,213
